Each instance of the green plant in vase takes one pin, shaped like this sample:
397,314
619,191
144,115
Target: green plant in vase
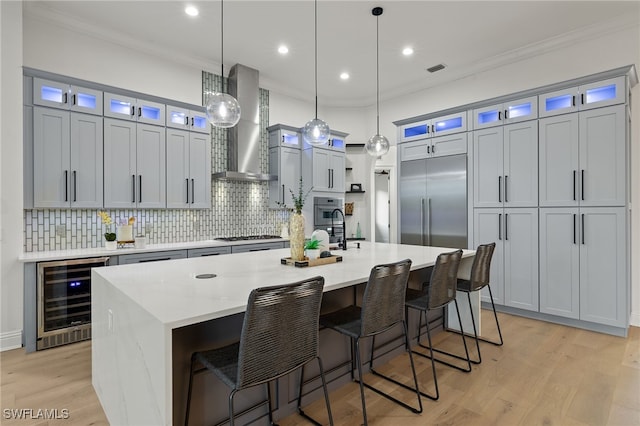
312,244
296,223
108,222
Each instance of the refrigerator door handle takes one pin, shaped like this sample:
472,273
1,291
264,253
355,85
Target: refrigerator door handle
422,221
429,221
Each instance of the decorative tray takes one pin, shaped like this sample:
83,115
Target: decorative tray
314,262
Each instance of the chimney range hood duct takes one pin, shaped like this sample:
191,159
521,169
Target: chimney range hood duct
243,148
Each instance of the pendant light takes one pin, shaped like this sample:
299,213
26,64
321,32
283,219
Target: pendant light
223,110
316,131
377,145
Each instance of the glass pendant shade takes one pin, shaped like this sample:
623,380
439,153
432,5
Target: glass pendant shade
316,132
223,110
377,145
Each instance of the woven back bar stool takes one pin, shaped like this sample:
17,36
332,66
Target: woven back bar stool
437,294
479,279
279,335
381,310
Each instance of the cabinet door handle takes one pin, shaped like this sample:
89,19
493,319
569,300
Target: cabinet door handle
582,184
433,149
133,110
64,98
66,185
283,191
582,228
187,179
499,115
192,122
433,129
500,226
328,178
75,187
573,100
193,191
186,120
133,188
582,98
506,114
428,149
574,228
139,112
283,139
506,226
499,189
140,189
574,185
505,189
73,99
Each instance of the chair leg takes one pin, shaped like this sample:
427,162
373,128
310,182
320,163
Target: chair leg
326,396
361,381
326,391
432,349
433,366
475,331
231,419
186,418
392,380
269,403
464,341
495,315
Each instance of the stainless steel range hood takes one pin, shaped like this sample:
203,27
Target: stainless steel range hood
243,148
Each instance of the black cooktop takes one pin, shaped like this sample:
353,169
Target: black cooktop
249,237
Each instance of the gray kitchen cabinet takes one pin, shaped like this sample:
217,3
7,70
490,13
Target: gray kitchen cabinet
582,264
208,251
134,164
187,119
433,127
505,168
188,169
506,113
133,109
285,163
434,147
126,259
245,248
514,266
67,159
60,95
325,168
586,96
582,158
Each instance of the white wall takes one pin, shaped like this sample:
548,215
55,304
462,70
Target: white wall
48,47
10,174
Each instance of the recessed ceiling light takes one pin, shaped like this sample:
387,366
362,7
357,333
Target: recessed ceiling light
191,11
407,51
283,50
344,76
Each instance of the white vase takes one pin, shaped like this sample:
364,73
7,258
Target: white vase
110,245
313,254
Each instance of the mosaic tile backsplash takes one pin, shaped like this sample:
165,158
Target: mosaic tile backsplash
238,208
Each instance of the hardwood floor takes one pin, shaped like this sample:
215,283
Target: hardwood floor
545,374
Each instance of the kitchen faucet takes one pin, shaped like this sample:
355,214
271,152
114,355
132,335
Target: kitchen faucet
344,228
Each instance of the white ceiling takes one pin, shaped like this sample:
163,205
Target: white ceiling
467,36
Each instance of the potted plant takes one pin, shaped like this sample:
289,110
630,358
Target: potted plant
312,248
109,235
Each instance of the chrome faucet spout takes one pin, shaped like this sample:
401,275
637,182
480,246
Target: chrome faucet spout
344,227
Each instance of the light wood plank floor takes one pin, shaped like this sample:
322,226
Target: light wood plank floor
545,374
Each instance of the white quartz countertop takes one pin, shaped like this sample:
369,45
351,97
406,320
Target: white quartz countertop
43,256
171,293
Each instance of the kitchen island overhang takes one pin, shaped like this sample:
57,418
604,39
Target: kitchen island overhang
149,318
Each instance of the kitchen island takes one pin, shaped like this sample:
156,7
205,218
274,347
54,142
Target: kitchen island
147,319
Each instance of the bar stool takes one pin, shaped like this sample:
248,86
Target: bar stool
279,335
437,294
479,279
381,310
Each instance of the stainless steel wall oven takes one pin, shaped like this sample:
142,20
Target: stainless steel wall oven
64,301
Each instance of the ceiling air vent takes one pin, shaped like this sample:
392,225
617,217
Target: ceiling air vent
436,68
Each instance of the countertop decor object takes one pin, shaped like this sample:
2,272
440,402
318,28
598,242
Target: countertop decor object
109,235
311,262
296,223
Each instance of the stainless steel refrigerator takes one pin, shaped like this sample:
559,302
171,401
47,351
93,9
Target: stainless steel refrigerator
433,201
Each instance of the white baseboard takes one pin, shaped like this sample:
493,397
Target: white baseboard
10,340
634,319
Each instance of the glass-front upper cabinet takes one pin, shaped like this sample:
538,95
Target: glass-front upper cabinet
283,135
506,113
337,140
66,96
586,96
447,124
127,108
186,119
